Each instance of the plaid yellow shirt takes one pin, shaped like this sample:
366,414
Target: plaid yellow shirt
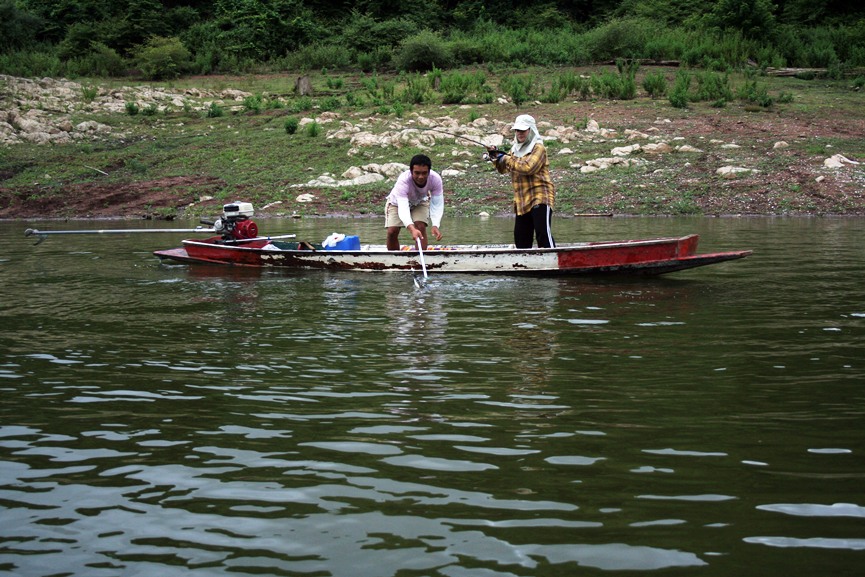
530,175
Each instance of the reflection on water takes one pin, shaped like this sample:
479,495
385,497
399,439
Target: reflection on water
174,420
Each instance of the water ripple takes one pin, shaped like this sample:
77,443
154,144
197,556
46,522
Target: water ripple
813,510
809,543
437,463
177,420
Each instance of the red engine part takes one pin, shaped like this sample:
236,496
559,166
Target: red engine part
245,229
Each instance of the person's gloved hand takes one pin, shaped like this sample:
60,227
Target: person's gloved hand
494,154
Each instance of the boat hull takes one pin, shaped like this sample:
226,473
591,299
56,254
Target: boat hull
643,257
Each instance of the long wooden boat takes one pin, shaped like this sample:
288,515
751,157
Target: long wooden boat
635,257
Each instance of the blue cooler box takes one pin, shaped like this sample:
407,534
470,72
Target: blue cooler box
348,243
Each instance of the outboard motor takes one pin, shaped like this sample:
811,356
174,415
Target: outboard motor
235,223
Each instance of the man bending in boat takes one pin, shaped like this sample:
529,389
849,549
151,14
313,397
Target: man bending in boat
416,200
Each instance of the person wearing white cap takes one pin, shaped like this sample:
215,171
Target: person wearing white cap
534,192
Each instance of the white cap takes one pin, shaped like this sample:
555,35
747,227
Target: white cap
524,122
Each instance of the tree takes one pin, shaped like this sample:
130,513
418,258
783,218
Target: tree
668,11
142,20
59,15
260,30
78,41
753,18
420,11
18,28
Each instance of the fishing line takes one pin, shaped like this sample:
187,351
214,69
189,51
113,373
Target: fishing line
478,142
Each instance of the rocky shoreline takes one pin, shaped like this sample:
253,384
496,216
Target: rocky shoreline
676,152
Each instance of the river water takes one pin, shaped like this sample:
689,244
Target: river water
174,420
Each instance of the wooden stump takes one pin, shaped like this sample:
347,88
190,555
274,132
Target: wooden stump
303,86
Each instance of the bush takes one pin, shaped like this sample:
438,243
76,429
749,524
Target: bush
571,82
353,100
131,108
666,44
301,104
519,88
679,95
620,86
457,87
379,92
89,93
655,85
606,85
27,63
423,51
564,85
162,58
628,73
713,86
99,61
380,57
317,56
835,69
104,61
214,111
416,91
555,94
313,129
253,103
362,31
291,124
329,103
467,51
753,93
620,38
857,56
718,51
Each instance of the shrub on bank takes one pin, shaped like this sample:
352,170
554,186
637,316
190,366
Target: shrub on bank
655,85
315,57
162,58
423,51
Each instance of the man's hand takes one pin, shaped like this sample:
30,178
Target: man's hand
436,233
415,232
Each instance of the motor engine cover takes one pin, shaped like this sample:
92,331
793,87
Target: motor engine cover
237,210
245,229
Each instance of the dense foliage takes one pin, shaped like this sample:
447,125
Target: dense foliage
166,38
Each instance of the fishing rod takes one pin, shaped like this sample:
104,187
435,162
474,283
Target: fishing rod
43,234
459,136
36,232
489,149
422,263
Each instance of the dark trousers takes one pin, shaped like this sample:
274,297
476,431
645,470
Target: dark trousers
535,223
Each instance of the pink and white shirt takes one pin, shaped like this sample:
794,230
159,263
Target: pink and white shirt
405,194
